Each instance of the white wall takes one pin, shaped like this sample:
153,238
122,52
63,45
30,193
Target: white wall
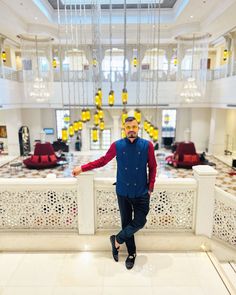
183,122
231,129
200,127
217,133
13,120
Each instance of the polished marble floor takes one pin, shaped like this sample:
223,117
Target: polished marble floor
224,180
96,273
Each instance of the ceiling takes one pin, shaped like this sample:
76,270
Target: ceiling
116,4
177,17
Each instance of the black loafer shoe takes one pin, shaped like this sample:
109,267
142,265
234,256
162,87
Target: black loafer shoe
114,249
129,262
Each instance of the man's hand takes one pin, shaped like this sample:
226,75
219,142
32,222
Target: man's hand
76,171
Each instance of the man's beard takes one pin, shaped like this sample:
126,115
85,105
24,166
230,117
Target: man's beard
132,135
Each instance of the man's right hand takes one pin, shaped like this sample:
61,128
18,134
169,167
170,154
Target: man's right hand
76,171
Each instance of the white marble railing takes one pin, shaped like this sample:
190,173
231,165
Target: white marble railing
38,204
172,205
87,205
224,227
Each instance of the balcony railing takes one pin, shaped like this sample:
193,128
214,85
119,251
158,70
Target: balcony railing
117,76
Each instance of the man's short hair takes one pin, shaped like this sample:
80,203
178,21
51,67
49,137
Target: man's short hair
130,119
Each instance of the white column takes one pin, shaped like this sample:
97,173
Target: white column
86,205
205,176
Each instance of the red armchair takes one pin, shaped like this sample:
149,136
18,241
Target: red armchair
44,157
185,156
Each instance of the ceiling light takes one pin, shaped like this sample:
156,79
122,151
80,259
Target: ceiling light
36,18
191,16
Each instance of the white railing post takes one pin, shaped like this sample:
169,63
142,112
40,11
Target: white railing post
205,176
86,205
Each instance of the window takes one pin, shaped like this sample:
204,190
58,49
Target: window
104,140
168,123
60,120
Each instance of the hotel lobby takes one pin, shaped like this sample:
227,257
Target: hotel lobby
71,73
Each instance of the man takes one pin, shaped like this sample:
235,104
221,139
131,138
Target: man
133,186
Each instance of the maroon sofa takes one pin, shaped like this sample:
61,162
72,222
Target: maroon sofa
185,156
43,157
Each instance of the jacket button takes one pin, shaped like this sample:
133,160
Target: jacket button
139,153
136,168
134,184
125,168
123,152
127,184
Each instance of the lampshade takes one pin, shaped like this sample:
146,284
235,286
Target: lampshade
71,130
100,114
95,134
88,115
84,115
137,115
4,56
64,134
54,63
111,98
80,125
124,96
124,116
102,125
135,62
96,119
155,134
76,126
66,118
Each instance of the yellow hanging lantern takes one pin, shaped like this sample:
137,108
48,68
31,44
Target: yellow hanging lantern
166,119
98,101
94,134
124,116
123,135
100,114
88,115
151,131
225,55
64,134
155,134
80,125
76,126
66,118
71,130
84,115
124,96
175,61
4,56
135,62
100,93
94,62
54,63
148,127
137,115
102,125
145,125
96,119
111,98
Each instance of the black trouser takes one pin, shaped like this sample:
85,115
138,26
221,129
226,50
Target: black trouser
131,224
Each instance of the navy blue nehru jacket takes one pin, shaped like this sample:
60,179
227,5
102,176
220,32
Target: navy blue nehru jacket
133,159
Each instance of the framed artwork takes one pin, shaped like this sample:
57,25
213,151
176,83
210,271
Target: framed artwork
3,131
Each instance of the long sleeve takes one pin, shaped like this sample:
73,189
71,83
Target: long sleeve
111,153
152,166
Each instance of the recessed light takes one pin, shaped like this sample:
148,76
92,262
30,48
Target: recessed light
191,16
36,18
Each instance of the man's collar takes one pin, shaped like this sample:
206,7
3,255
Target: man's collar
128,141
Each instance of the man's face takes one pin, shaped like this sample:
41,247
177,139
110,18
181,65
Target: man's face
131,129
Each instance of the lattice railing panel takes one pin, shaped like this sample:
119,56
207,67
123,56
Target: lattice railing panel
224,227
169,210
48,209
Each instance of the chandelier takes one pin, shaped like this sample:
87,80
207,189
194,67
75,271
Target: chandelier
37,70
192,57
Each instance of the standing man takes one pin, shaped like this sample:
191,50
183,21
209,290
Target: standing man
133,185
